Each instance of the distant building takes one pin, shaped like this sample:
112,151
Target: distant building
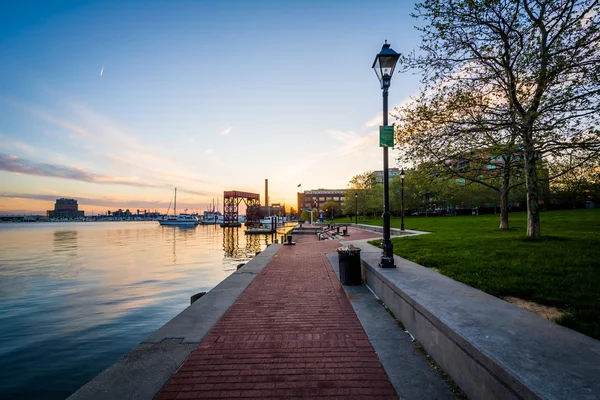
121,214
273,209
316,198
392,173
65,208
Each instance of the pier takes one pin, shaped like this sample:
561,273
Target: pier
231,203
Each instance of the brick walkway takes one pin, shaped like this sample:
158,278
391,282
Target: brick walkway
291,334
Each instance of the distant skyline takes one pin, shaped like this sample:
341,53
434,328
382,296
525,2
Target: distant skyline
115,103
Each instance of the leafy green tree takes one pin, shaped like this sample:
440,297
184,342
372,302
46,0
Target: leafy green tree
528,68
580,179
370,195
449,136
305,216
423,189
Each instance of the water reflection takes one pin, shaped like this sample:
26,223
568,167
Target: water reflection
88,292
231,242
176,233
65,241
237,246
252,244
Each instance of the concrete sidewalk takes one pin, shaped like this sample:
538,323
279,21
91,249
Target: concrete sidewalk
293,333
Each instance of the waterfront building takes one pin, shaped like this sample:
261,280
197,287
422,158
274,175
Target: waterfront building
273,209
392,173
316,198
65,208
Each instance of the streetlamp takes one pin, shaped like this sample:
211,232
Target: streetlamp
384,65
402,200
356,203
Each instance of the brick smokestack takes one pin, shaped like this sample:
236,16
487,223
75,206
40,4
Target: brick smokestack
266,192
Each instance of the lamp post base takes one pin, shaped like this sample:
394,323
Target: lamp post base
386,262
387,255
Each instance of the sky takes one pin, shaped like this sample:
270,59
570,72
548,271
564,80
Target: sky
116,103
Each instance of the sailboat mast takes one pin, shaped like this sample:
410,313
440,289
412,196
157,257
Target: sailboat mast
175,208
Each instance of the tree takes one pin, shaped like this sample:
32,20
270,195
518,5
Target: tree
424,188
463,134
333,208
370,200
581,178
533,68
305,216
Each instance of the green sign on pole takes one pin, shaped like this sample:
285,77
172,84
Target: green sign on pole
386,136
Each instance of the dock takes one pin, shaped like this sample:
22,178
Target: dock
258,231
230,224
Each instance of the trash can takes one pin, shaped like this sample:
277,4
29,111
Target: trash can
349,262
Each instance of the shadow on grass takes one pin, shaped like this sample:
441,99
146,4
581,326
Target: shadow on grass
584,322
546,238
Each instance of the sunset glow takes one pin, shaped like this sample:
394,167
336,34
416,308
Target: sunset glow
115,104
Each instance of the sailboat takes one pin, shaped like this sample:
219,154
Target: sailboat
183,219
212,216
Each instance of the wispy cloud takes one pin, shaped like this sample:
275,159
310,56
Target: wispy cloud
226,130
352,141
85,125
10,144
75,131
18,165
97,135
23,146
89,201
209,151
196,192
98,202
377,119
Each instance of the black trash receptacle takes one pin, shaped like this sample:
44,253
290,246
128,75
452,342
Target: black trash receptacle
349,262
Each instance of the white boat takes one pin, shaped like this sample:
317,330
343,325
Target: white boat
269,220
212,216
183,219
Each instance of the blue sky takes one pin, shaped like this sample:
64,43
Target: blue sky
206,96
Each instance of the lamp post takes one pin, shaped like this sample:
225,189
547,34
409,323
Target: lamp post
384,65
356,203
402,200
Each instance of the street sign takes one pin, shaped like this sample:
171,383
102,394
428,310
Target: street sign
386,136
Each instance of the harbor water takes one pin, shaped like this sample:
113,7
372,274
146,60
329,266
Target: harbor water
76,296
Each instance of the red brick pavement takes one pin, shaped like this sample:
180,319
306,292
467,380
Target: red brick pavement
291,334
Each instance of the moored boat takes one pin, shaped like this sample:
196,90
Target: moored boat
184,219
181,219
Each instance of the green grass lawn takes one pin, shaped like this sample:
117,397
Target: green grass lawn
562,269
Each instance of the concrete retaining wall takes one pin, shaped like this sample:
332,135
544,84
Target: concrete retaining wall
492,349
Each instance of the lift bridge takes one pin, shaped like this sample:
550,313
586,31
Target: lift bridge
231,203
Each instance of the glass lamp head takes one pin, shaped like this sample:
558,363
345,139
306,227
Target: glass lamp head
384,65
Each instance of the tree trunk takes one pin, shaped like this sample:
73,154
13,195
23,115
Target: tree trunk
533,212
504,200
